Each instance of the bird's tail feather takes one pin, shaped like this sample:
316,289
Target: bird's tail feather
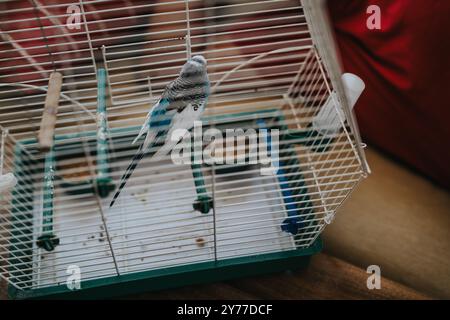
137,157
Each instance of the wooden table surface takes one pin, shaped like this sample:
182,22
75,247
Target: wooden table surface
326,277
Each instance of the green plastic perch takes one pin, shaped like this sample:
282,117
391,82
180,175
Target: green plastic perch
204,203
48,240
103,180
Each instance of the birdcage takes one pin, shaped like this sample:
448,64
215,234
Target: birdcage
275,77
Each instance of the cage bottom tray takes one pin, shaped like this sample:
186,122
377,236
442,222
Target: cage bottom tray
171,241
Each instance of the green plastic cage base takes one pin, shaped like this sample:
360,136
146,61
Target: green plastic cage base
167,278
173,276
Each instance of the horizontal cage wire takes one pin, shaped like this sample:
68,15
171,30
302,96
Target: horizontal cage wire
268,73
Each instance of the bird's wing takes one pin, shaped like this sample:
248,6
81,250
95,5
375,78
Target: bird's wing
191,112
168,97
155,118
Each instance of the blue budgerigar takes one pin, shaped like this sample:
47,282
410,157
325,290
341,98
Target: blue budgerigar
182,102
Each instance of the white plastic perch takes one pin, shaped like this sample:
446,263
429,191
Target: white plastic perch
330,118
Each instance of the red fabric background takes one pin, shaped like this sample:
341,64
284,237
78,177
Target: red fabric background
405,109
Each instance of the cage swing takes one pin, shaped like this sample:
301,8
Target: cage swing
73,100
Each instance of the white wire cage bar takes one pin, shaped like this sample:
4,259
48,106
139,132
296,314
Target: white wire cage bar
272,66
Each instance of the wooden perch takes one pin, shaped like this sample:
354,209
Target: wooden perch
50,112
